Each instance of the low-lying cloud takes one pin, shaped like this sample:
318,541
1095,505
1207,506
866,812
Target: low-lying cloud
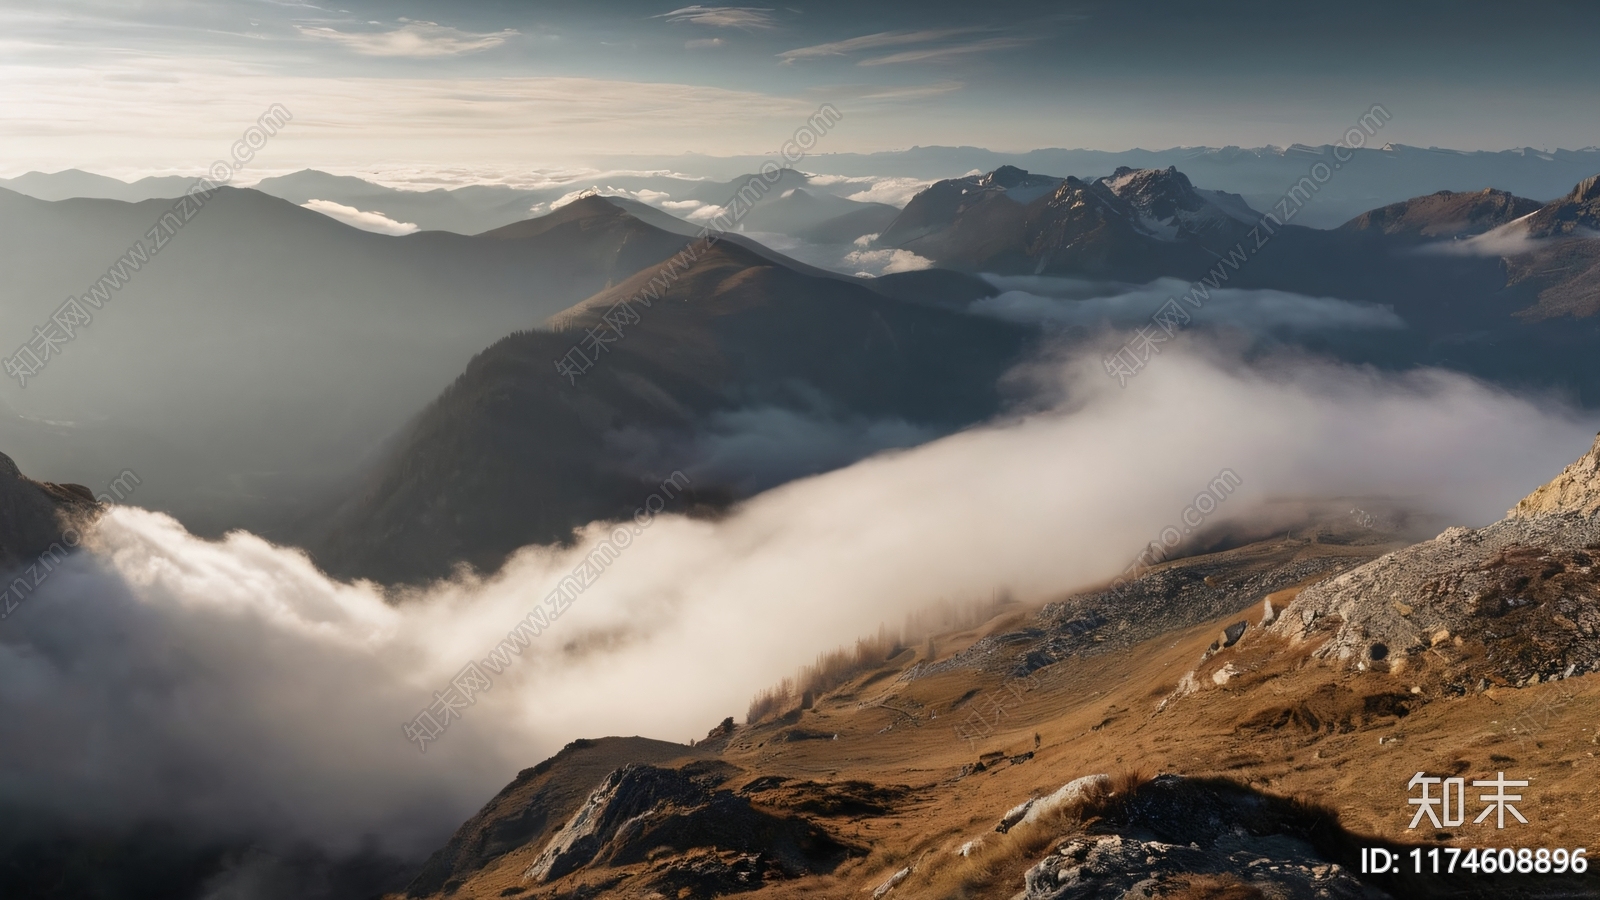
883,262
1044,300
753,449
894,191
847,259
362,219
230,686
1510,239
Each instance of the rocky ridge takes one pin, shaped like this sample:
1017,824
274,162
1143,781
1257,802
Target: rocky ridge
1445,214
1135,223
1117,618
1576,490
1169,206
38,517
1575,215
1509,604
638,810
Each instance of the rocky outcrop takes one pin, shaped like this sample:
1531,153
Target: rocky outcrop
1209,837
640,810
1036,808
1113,867
1575,491
1513,603
1561,254
1575,215
38,517
1179,594
892,882
626,796
534,803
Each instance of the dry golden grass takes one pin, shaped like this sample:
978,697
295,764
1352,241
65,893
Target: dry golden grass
829,671
1210,887
1336,786
838,667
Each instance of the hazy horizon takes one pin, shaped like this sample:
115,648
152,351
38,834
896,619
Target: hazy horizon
493,85
422,176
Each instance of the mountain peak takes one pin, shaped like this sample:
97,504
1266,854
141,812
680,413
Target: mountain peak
1587,190
1019,184
1575,215
1129,183
39,514
1575,490
1006,177
1445,214
1168,206
587,207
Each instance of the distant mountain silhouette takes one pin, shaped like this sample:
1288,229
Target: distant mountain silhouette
1134,225
1487,283
70,183
252,360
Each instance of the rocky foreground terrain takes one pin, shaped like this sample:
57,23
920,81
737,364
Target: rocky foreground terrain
1238,724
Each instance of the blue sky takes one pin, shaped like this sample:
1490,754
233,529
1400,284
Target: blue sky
493,85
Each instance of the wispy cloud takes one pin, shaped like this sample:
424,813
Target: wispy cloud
746,17
895,191
949,52
356,218
874,42
413,39
880,93
885,262
105,116
1510,239
704,43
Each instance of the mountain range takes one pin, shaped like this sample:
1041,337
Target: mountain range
789,204
320,407
1374,175
1486,282
1133,225
258,353
744,342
